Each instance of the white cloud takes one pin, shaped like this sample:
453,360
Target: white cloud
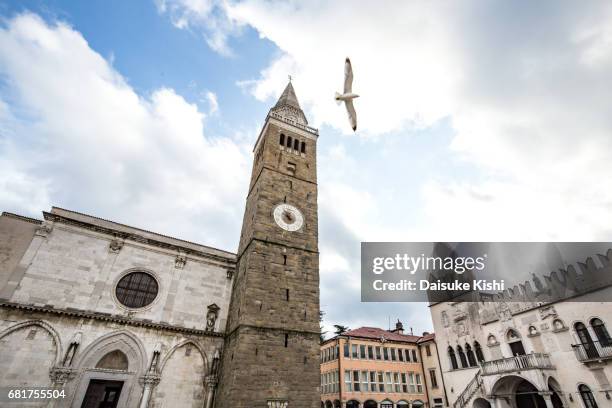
213,103
75,132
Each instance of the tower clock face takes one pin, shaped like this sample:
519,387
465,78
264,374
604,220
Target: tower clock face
288,217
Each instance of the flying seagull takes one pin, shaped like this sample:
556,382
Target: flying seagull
348,94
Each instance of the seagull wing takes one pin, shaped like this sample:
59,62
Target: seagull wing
351,113
348,76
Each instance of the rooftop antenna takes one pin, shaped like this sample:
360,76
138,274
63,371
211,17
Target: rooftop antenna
289,78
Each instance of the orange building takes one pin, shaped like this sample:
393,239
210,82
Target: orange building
375,368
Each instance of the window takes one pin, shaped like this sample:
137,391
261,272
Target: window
428,351
414,357
356,381
303,148
434,379
587,396
281,141
355,353
386,353
346,350
373,381
389,382
462,358
381,382
286,339
411,379
378,357
393,357
418,383
289,141
601,332
296,145
479,355
347,380
400,354
470,355
452,358
370,352
136,290
404,384
362,351
396,382
364,381
407,355
291,168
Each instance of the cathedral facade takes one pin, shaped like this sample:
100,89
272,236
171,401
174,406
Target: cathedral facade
117,316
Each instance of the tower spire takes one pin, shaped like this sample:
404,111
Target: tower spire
288,106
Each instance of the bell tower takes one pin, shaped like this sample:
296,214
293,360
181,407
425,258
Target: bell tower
271,355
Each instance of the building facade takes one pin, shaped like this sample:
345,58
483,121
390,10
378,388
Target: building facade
118,316
519,354
375,368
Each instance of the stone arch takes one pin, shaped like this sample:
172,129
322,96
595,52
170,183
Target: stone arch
481,403
42,353
386,403
353,403
121,340
179,345
558,399
370,404
46,326
182,371
328,404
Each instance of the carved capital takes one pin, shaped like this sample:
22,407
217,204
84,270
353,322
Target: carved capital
44,229
180,261
115,245
150,379
211,381
61,375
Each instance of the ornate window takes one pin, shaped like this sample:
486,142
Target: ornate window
470,355
281,140
601,332
478,350
452,357
587,396
462,358
136,290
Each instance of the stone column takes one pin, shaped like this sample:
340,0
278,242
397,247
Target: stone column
547,395
149,382
211,385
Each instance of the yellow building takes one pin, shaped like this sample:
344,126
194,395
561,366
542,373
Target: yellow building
375,368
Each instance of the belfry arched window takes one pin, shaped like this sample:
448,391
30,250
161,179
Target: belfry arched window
281,141
470,355
462,358
478,350
296,145
601,332
289,141
452,358
303,148
587,396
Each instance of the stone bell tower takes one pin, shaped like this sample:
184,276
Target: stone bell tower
271,355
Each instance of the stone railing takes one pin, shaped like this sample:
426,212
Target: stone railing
469,391
517,363
594,350
294,123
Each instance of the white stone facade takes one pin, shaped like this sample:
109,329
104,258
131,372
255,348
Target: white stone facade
60,315
554,367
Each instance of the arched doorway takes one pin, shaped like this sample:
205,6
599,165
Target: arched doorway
515,343
588,399
586,340
328,404
418,404
337,404
386,404
370,404
527,396
555,388
352,404
481,403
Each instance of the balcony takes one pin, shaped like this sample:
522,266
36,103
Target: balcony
517,363
593,351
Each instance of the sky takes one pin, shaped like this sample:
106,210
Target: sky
477,120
